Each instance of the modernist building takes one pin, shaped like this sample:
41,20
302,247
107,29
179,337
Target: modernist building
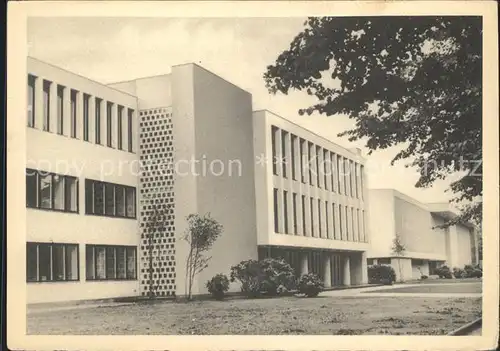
427,246
102,158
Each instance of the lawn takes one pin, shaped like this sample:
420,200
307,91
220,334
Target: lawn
279,316
434,289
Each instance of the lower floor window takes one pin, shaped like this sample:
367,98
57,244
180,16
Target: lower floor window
106,262
51,262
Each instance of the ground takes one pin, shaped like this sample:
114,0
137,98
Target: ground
338,315
435,289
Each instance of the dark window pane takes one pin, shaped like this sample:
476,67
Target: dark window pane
131,263
120,200
86,117
58,262
71,262
109,193
98,198
58,185
130,130
121,263
100,255
130,193
110,263
89,196
46,105
31,188
60,109
31,262
71,194
120,127
44,262
98,121
109,123
89,262
45,191
31,100
74,95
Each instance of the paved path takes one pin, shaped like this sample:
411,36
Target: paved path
42,309
362,292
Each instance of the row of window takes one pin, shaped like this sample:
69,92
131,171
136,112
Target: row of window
51,191
351,220
72,114
50,262
317,166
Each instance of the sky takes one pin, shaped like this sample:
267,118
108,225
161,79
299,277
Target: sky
239,50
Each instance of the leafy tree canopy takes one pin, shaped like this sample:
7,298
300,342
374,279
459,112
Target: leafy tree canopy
414,82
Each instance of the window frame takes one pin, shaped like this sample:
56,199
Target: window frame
86,116
31,87
38,201
130,130
91,183
51,246
106,247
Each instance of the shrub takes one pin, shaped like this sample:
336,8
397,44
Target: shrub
423,277
444,272
473,271
458,273
218,286
310,285
381,274
269,276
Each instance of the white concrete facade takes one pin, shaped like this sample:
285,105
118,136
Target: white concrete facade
104,146
393,213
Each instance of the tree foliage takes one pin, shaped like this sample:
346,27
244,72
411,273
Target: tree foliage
201,234
414,82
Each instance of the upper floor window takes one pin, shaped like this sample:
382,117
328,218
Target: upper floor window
293,150
51,191
31,100
48,262
46,105
109,124
60,109
98,120
284,151
274,131
108,199
130,130
120,128
86,100
74,123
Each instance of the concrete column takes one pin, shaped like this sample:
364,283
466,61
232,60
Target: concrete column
67,112
79,115
38,103
358,179
327,278
364,269
92,119
315,214
53,108
347,271
303,163
304,266
288,155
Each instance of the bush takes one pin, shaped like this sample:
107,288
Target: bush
310,285
473,271
381,274
458,273
424,277
218,286
269,276
444,272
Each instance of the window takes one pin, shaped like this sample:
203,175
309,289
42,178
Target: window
274,130
354,231
275,205
326,169
369,261
51,262
339,174
384,261
293,149
332,170
311,204
51,191
347,176
98,120
304,230
106,262
109,199
342,231
303,162
46,105
86,101
285,210
356,180
74,106
294,204
130,130
327,219
120,128
60,109
31,100
348,232
284,160
333,221
351,176
361,183
309,159
319,218
318,167
109,124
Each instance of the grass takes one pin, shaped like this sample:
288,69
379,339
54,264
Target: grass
434,289
279,316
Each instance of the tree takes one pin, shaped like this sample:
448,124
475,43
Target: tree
415,82
156,226
399,250
201,234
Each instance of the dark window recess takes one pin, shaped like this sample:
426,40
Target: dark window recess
47,262
107,262
108,199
